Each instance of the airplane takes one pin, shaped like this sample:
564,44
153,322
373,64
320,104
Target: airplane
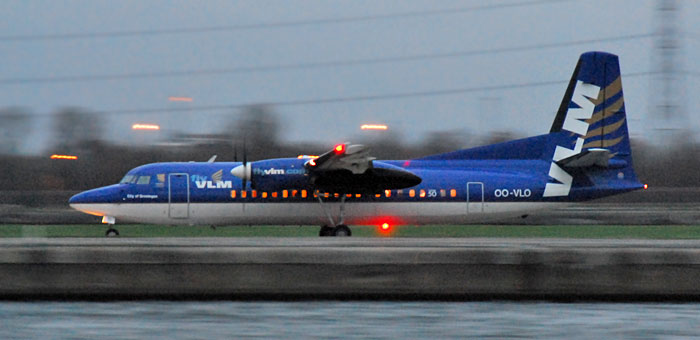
586,155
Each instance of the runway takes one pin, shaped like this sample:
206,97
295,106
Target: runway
355,268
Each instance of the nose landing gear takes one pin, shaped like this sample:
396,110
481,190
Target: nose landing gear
110,220
111,232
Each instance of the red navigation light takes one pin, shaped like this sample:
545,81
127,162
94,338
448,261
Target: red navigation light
646,186
339,149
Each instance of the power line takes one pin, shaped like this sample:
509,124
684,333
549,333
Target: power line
299,66
270,25
362,98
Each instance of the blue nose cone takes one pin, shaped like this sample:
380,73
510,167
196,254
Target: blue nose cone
109,194
78,198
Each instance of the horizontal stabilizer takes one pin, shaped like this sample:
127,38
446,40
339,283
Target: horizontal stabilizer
587,158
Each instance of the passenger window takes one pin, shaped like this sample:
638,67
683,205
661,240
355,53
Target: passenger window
422,193
244,194
443,192
254,193
144,180
233,193
358,195
294,193
285,193
412,193
274,194
399,192
303,194
264,194
453,193
387,193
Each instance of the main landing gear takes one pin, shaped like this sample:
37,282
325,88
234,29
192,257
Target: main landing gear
340,229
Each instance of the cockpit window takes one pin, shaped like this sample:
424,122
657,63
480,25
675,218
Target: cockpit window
128,179
144,180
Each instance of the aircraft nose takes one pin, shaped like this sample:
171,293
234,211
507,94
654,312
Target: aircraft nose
79,198
108,194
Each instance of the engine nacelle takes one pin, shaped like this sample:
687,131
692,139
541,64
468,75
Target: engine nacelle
274,174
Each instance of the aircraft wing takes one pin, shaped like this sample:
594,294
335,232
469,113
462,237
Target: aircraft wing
354,158
350,168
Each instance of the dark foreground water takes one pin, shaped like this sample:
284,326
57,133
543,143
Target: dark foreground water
344,320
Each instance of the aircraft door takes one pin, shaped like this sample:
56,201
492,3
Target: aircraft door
475,197
178,195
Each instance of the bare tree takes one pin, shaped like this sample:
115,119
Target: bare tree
74,127
15,126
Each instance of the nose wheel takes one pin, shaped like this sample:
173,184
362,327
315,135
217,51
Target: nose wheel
111,232
339,230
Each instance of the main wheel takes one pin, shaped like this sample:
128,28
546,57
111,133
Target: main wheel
112,232
342,230
326,231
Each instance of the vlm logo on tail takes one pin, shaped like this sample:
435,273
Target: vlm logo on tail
584,94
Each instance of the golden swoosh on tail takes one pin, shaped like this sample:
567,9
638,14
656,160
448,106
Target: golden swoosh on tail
610,91
605,129
615,107
606,143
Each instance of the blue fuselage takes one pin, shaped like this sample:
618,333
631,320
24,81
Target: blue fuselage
455,191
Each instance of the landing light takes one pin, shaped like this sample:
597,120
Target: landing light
374,127
180,99
339,149
64,157
145,127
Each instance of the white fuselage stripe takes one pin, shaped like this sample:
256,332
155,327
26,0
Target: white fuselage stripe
311,213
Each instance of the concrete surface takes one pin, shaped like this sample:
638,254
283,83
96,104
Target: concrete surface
335,268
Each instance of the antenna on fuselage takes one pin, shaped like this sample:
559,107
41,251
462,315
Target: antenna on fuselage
212,159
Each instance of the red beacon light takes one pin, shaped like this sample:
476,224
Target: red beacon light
339,149
646,186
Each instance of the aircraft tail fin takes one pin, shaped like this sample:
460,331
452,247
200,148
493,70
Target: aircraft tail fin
589,140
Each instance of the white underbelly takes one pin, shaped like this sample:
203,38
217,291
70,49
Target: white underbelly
368,213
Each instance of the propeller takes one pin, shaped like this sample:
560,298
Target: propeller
245,176
244,170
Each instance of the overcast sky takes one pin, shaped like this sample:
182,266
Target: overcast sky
53,54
